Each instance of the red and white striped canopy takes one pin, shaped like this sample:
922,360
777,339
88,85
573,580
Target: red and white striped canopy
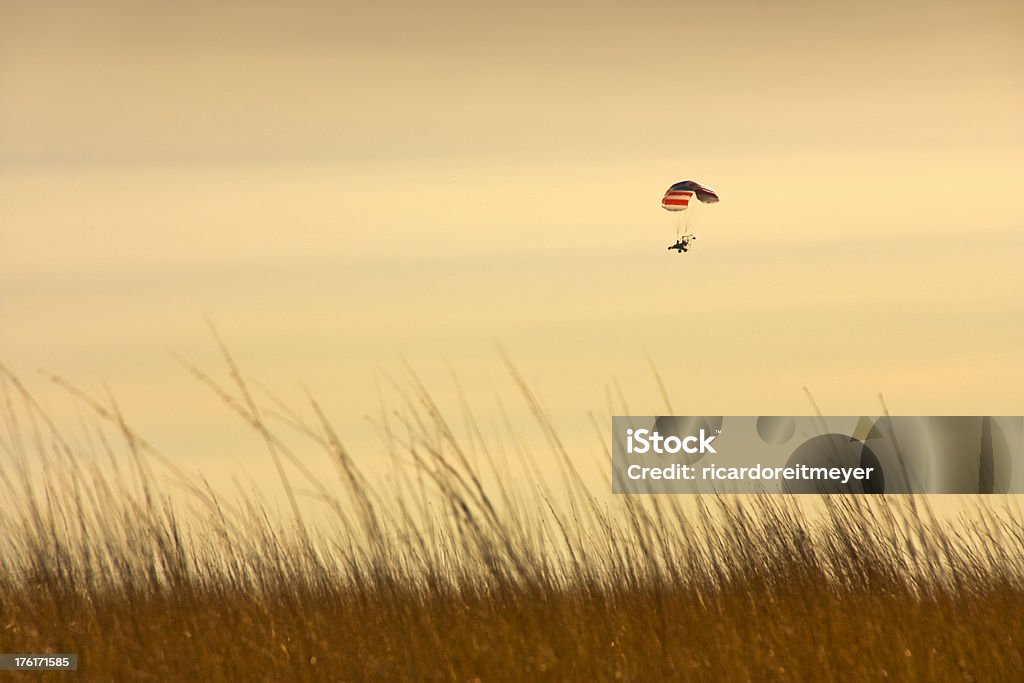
676,200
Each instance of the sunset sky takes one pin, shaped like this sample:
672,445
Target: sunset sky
346,187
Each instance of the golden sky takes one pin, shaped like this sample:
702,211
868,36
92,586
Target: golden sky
343,185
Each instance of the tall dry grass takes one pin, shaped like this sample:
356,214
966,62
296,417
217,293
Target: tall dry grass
472,565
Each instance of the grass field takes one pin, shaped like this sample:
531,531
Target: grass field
475,568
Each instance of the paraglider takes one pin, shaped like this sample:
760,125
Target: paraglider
686,200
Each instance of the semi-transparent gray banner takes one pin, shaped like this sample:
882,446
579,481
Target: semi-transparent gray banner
673,454
38,662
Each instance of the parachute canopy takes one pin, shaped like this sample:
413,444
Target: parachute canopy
678,197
